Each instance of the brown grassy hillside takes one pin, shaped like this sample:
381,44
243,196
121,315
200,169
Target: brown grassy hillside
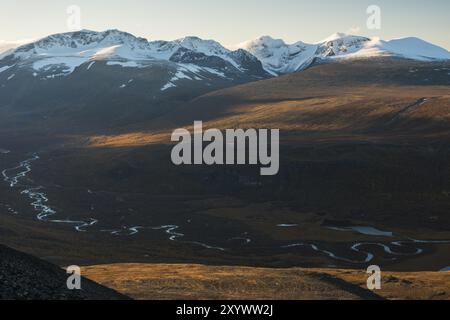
195,282
358,100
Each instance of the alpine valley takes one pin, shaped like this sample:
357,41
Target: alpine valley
86,175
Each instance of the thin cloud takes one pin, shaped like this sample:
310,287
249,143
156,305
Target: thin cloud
354,30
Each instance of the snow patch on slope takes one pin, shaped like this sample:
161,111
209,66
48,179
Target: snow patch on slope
168,85
3,69
124,64
191,72
65,64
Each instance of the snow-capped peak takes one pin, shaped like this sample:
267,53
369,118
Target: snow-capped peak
339,44
266,41
408,48
278,57
208,47
77,42
415,48
166,49
336,36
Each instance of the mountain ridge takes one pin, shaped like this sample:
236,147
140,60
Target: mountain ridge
109,79
72,49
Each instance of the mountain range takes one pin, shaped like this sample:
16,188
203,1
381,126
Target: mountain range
192,57
113,75
188,58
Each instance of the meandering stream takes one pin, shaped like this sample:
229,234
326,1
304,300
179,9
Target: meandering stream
17,178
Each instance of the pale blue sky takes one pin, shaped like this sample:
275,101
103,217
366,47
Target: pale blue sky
230,21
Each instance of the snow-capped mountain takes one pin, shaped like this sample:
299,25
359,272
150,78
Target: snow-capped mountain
409,48
279,58
61,54
166,50
89,71
112,78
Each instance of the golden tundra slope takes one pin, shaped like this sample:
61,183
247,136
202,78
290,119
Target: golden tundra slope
198,282
353,100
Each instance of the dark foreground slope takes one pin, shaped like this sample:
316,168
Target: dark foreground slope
25,277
